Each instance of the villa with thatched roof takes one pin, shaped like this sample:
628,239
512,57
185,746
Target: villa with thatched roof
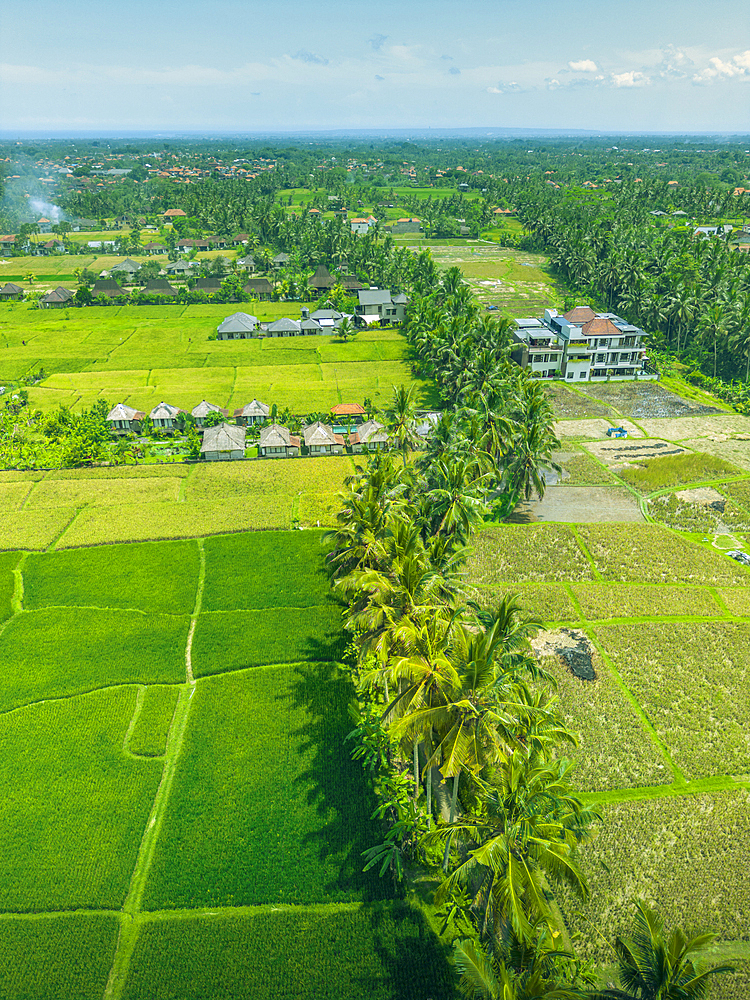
238,326
254,412
125,419
164,416
158,286
223,443
57,299
126,266
258,288
10,292
370,435
322,280
321,440
108,287
202,410
277,442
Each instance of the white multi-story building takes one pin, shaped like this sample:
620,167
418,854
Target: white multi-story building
581,346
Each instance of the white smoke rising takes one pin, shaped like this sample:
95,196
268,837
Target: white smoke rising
46,209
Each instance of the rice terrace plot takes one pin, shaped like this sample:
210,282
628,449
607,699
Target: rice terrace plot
173,730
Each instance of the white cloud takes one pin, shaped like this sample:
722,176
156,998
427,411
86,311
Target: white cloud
506,88
630,79
584,66
738,65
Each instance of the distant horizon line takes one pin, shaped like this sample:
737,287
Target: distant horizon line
421,132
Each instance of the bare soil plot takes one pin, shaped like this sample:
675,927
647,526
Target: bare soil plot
644,399
569,404
623,454
595,428
585,504
715,426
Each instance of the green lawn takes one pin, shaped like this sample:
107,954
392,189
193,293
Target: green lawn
156,577
263,570
56,652
50,957
233,640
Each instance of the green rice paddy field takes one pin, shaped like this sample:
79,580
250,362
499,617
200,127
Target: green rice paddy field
181,819
141,355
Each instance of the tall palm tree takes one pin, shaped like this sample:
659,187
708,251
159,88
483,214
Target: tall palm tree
525,833
543,974
401,419
654,966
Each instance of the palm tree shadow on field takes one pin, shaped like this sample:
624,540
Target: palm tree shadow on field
335,785
413,963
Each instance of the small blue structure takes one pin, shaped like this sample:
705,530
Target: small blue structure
617,432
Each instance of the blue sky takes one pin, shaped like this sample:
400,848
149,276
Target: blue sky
224,65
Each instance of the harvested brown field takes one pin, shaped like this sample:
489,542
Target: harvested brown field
716,426
641,400
584,504
570,404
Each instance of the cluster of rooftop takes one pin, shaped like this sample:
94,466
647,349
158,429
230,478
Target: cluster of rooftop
581,345
347,429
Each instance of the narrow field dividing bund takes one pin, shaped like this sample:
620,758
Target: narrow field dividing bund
130,923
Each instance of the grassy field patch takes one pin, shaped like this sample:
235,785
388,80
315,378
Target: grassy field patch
107,492
737,600
13,495
264,481
149,735
275,810
62,651
33,529
654,850
691,680
280,569
47,958
157,521
519,554
156,577
384,952
8,562
74,805
601,601
614,749
548,601
649,553
233,640
677,470
582,469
